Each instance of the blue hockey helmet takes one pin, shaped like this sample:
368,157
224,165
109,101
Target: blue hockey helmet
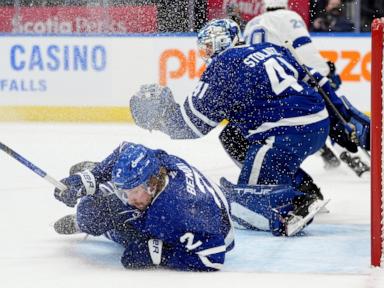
134,167
217,36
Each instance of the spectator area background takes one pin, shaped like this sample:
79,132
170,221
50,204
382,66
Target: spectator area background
142,16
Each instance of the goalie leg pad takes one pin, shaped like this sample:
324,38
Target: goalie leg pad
266,207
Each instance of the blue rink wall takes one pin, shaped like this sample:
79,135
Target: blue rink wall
92,77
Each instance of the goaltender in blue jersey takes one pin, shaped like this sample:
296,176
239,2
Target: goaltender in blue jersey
161,209
264,92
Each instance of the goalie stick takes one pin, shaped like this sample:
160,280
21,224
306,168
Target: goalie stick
325,96
32,167
289,46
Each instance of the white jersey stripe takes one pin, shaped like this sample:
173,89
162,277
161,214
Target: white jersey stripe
292,121
213,250
209,264
199,115
189,122
259,158
231,234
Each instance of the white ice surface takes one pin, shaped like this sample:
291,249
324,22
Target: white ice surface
332,252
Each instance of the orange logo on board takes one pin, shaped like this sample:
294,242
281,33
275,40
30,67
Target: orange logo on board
187,65
357,65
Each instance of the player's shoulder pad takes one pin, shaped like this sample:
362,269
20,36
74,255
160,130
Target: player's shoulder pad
254,21
289,14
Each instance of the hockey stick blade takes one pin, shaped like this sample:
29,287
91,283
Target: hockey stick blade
296,223
32,167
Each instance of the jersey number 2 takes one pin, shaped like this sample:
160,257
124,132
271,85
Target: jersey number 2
188,237
278,77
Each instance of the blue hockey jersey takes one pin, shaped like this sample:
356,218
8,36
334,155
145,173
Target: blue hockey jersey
190,216
259,88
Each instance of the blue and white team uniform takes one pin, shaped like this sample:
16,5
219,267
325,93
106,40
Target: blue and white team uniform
269,101
186,227
264,92
282,25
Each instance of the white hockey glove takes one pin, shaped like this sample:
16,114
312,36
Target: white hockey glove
151,106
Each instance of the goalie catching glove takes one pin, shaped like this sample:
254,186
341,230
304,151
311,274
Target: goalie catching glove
78,185
151,105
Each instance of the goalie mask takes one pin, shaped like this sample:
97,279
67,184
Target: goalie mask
217,36
134,167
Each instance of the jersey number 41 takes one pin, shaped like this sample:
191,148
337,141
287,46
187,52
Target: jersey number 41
278,77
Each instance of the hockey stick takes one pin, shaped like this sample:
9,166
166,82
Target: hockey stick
325,96
32,167
319,88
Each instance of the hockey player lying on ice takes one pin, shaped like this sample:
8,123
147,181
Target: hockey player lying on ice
264,93
163,210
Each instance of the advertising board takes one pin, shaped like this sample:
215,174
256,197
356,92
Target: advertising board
97,74
64,20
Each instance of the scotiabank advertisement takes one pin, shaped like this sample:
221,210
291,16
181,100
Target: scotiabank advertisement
61,20
251,8
70,71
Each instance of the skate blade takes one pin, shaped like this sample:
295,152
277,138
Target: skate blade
296,223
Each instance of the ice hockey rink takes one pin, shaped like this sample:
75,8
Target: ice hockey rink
332,252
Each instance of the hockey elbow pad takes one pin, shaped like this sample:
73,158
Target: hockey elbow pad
142,253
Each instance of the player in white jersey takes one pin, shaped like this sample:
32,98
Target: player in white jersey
279,24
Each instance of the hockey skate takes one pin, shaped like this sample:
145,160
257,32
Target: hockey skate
310,188
303,215
81,166
355,163
67,225
329,158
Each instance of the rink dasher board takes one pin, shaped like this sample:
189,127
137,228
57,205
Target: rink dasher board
92,77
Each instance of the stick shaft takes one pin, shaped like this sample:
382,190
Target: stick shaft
32,167
319,88
325,96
